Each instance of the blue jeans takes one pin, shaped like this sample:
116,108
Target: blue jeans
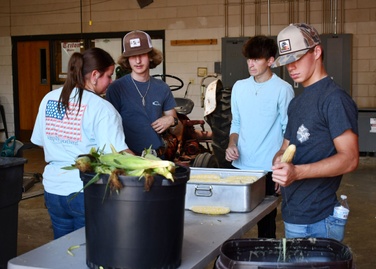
330,227
67,215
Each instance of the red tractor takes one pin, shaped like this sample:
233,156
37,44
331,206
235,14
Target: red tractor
194,146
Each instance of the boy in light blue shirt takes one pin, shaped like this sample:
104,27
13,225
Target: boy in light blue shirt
259,118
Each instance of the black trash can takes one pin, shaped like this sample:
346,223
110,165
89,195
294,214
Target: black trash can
135,228
302,253
11,178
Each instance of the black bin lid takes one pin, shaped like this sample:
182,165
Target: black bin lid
6,162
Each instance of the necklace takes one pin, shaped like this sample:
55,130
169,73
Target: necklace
257,85
257,88
142,96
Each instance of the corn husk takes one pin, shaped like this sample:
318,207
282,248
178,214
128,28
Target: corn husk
116,163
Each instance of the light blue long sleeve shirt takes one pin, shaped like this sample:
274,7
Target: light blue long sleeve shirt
259,117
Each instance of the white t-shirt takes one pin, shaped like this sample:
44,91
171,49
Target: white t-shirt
63,137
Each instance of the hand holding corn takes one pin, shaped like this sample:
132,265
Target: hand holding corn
281,174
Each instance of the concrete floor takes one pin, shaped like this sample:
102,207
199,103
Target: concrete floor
34,228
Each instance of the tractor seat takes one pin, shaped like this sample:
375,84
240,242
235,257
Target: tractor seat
184,105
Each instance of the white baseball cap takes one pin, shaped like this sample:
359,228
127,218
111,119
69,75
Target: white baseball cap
294,41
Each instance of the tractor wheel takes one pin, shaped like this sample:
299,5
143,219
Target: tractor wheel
205,160
220,123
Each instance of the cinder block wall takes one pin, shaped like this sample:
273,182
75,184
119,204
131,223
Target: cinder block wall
182,19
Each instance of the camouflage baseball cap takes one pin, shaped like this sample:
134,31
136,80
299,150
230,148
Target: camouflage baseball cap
294,41
136,43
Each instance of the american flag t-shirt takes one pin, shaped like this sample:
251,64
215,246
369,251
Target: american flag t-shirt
66,127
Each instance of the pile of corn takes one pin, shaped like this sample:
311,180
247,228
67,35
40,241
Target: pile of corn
116,163
215,178
210,210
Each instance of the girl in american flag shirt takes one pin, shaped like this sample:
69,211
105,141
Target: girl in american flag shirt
71,120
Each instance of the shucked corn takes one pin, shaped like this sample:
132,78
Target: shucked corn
241,179
204,177
289,153
210,210
215,178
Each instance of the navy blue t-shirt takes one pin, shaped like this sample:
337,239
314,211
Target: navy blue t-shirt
137,119
316,117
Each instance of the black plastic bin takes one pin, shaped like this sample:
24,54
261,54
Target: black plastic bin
11,178
135,228
302,253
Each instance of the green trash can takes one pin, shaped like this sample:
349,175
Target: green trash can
11,178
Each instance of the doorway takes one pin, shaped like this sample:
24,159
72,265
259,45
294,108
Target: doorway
37,69
33,71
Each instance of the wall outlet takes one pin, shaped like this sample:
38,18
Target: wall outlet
202,71
192,80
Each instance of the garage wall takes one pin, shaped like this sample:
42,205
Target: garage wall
189,20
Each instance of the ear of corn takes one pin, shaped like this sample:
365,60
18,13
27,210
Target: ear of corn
135,173
211,210
163,171
289,154
132,162
83,163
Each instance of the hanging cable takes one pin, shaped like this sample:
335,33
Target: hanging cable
257,17
307,11
242,18
269,19
226,18
82,45
90,21
81,17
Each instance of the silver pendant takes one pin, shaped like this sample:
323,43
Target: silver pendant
143,101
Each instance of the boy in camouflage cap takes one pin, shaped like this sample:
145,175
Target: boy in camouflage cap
322,123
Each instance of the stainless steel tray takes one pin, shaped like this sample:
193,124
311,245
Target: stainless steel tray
238,197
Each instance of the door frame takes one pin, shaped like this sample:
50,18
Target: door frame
87,41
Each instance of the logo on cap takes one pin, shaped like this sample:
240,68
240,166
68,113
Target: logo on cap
135,42
284,46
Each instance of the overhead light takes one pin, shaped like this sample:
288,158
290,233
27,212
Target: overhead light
82,44
144,3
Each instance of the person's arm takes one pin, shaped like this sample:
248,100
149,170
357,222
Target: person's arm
128,151
283,104
232,152
165,122
344,161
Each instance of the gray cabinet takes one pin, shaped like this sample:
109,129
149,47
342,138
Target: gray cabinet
234,64
367,138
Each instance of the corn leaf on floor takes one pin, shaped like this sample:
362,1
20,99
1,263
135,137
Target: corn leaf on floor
34,227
